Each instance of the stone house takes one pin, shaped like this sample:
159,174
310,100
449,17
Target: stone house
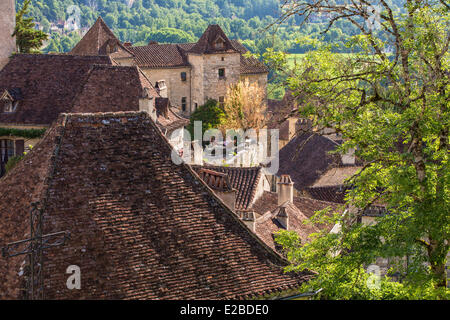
35,89
191,73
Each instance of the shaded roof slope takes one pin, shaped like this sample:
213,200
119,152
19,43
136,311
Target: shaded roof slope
307,157
48,84
96,40
142,227
244,180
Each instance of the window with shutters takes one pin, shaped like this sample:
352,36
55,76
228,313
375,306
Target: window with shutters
183,76
183,103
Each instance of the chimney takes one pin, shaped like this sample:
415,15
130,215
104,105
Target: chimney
285,190
127,44
283,218
248,217
147,103
161,88
7,25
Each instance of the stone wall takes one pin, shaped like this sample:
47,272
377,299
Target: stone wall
7,24
176,89
214,86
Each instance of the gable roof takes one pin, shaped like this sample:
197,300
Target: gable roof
244,180
48,84
113,89
96,40
166,237
207,43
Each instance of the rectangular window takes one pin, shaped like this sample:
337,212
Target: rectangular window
183,103
183,76
196,106
221,73
221,99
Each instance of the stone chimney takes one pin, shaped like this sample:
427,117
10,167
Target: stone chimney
7,25
147,103
161,88
248,217
283,217
285,190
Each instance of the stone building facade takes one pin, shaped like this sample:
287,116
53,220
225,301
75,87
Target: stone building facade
192,72
7,24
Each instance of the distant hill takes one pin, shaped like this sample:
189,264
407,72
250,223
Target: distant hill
139,21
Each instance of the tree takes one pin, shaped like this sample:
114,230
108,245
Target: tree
211,115
28,39
245,106
390,102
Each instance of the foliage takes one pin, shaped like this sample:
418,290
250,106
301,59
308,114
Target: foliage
390,102
24,133
245,106
28,39
211,114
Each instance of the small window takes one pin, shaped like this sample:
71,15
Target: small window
196,106
183,76
183,103
223,59
221,73
221,100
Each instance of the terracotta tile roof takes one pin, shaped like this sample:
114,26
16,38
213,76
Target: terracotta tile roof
142,227
267,210
207,42
249,65
96,41
215,180
156,55
329,193
113,89
168,118
161,55
48,84
244,180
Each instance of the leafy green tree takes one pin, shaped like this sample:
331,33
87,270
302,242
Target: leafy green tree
28,39
389,102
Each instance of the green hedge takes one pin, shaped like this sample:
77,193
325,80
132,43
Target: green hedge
24,133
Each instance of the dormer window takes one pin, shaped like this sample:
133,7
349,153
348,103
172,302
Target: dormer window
219,43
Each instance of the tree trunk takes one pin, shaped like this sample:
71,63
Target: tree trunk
437,254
